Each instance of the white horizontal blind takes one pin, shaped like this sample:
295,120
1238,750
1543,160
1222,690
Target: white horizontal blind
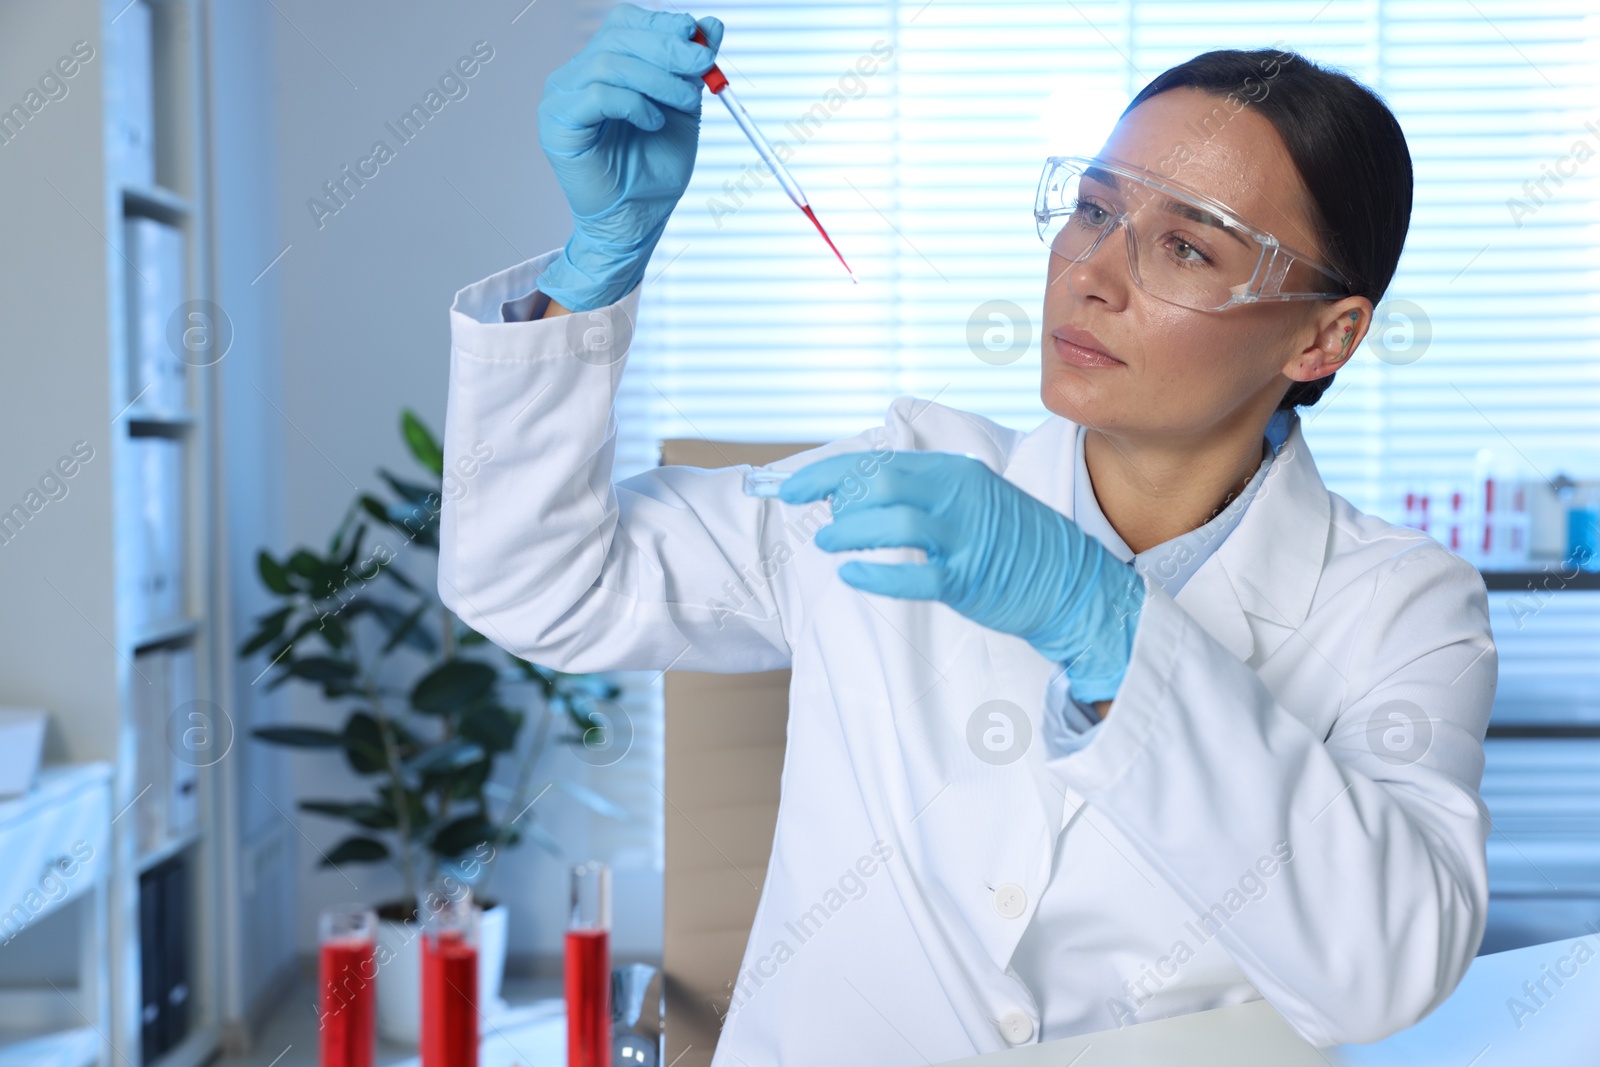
923,171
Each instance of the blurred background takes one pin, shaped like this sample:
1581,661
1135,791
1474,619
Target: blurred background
235,232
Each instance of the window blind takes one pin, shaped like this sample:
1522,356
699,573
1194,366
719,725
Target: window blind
918,129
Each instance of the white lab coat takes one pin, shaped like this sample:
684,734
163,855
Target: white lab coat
1241,772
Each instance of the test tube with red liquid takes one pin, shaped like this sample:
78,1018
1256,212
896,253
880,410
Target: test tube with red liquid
347,980
450,983
588,967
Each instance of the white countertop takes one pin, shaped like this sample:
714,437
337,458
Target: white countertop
1475,1027
1479,1025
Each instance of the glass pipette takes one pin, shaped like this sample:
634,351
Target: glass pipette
717,82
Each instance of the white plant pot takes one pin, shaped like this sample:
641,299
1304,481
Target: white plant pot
400,973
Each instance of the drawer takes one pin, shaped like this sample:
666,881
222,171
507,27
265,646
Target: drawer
53,855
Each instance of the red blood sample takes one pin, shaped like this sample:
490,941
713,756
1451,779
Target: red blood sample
588,966
449,1001
348,992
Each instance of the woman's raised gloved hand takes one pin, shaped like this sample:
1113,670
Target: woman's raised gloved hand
620,124
995,554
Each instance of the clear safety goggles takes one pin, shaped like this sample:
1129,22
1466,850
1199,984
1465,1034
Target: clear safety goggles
1183,247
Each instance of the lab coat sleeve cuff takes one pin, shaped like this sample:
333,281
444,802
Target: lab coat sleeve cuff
1072,743
1138,706
1069,723
496,319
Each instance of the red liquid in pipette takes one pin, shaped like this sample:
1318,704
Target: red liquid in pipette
449,1001
348,974
588,967
813,217
716,81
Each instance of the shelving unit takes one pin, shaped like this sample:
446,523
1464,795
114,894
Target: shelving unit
1553,578
1550,578
166,850
1541,781
175,198
80,648
164,632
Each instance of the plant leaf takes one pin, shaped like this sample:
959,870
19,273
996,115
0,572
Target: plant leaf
299,736
452,686
337,539
492,726
357,850
363,744
457,836
273,576
323,669
464,784
405,627
362,812
398,576
414,493
445,757
422,442
349,557
375,507
306,563
270,629
326,625
333,631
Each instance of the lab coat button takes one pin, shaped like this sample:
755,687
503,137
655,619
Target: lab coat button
1010,900
1016,1027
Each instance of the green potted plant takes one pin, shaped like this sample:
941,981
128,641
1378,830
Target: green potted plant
432,707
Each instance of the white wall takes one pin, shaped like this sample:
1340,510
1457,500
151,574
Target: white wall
260,874
366,293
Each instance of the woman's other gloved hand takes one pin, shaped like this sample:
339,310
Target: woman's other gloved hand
995,554
620,124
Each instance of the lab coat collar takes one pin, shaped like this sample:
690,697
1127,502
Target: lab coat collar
1267,568
1275,556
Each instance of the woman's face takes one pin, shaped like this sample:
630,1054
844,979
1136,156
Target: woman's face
1183,372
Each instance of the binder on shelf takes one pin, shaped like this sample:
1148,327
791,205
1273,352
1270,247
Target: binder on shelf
130,95
164,991
150,681
165,533
132,611
175,950
152,989
157,288
153,549
184,745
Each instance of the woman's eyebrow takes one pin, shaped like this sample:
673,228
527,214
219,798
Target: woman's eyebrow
1176,207
1205,218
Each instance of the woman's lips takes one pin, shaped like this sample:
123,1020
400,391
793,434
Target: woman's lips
1079,356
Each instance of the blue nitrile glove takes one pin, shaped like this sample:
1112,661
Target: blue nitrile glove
995,554
622,161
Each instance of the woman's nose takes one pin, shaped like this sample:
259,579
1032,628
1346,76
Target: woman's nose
1104,272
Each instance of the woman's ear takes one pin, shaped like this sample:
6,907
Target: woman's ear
1338,330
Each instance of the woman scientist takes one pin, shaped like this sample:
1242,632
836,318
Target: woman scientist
1121,718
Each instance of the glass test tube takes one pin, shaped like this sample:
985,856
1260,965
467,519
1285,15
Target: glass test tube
758,481
588,967
347,981
450,983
